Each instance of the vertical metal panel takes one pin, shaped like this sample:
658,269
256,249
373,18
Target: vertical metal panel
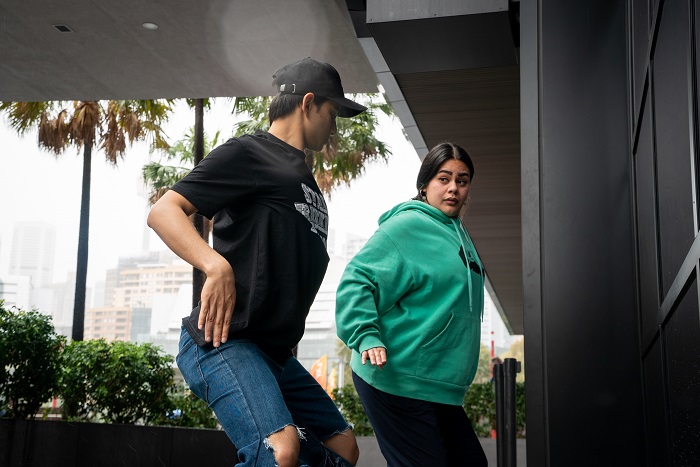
670,94
693,109
655,404
587,240
683,370
696,30
646,229
640,49
536,389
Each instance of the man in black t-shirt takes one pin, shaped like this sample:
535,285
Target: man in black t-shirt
265,267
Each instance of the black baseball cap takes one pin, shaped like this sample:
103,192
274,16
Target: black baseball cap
321,79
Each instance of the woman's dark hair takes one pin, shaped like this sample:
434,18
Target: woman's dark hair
285,104
435,158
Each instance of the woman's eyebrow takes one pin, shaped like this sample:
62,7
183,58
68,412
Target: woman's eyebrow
459,174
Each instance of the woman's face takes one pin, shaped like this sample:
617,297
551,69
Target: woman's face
449,188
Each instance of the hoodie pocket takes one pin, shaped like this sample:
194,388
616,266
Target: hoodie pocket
446,356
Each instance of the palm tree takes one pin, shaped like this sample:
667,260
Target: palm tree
107,124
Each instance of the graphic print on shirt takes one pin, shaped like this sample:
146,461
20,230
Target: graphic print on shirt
473,265
315,211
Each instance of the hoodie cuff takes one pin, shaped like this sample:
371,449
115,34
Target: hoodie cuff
370,342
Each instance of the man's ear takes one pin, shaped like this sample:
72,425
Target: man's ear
307,100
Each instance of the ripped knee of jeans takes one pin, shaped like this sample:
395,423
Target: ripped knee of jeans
284,451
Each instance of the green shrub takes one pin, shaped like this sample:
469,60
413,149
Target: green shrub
349,404
30,353
480,405
119,382
184,409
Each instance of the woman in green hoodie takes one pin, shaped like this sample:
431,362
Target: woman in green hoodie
410,305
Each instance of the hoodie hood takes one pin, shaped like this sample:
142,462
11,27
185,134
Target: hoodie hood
415,205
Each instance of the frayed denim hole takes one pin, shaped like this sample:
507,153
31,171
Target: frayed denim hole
343,432
269,446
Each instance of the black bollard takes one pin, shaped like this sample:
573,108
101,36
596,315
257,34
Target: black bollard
506,430
500,414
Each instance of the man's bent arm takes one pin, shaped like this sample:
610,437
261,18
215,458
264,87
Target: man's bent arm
169,218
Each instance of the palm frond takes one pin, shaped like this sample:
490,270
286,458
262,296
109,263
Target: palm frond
256,109
353,147
54,132
160,178
85,122
24,116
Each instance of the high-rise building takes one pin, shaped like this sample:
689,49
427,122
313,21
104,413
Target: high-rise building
138,285
33,252
15,291
152,291
111,324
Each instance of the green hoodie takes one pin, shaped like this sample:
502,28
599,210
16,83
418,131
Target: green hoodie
411,290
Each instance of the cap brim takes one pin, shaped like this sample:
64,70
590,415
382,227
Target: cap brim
348,108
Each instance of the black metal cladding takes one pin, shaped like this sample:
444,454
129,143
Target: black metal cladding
583,378
664,138
637,315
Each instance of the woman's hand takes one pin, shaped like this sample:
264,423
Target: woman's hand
375,355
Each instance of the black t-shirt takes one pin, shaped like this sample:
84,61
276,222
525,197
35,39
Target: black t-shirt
271,224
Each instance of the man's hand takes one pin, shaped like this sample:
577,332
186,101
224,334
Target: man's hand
169,218
375,355
218,300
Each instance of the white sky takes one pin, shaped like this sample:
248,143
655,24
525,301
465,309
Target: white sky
36,186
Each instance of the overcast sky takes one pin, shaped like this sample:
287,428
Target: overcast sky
37,186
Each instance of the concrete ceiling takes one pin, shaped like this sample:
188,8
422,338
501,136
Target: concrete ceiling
448,67
209,48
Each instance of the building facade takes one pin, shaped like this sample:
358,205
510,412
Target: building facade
109,323
610,222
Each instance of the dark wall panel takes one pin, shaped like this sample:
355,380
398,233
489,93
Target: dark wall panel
656,429
696,31
640,47
670,90
589,300
683,361
646,229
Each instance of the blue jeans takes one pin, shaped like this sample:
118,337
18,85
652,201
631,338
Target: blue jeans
253,396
